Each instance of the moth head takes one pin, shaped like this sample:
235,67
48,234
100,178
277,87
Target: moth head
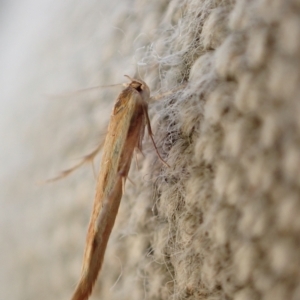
140,86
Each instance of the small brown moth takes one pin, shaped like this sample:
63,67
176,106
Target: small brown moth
125,133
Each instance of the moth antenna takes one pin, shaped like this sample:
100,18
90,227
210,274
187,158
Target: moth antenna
160,96
81,91
130,78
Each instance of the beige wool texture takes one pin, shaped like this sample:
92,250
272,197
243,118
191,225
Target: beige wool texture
223,222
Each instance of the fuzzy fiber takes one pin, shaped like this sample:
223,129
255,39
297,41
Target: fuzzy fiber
223,222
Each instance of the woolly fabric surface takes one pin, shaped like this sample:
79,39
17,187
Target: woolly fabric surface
223,221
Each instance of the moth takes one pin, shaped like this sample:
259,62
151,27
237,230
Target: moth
125,133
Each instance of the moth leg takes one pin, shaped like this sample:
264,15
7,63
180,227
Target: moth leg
123,185
151,135
124,181
130,180
87,158
136,161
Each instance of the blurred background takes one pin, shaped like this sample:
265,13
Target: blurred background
50,49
